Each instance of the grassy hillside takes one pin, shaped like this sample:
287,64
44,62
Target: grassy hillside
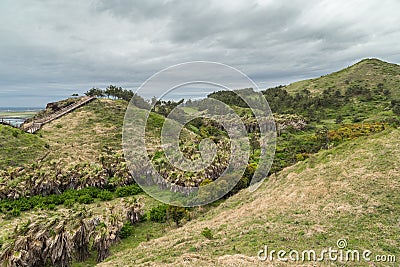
348,192
368,73
79,136
18,148
83,134
365,92
349,189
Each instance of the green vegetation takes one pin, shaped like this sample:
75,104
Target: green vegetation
349,192
158,214
207,233
126,230
18,148
68,198
128,190
335,175
119,93
368,73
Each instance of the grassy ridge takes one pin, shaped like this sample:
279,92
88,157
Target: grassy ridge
83,134
78,136
368,73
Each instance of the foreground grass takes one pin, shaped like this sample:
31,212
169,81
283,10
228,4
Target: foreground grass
349,192
144,231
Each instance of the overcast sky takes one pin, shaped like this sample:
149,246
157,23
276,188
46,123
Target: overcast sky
51,49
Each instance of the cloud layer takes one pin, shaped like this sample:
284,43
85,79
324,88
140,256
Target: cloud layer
55,48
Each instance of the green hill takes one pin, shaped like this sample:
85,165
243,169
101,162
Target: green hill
335,176
84,134
79,136
368,73
349,192
366,91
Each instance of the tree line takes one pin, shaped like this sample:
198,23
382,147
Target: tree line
313,107
119,93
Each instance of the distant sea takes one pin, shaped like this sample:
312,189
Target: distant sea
17,115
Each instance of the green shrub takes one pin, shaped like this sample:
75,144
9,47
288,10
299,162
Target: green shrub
15,134
176,213
15,212
85,199
91,191
69,203
53,199
36,200
68,198
207,233
126,230
129,190
105,195
122,191
22,204
51,206
158,214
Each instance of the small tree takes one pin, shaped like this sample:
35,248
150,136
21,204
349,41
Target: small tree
176,214
95,92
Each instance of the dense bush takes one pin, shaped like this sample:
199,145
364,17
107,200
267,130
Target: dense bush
15,212
126,230
351,131
129,190
158,214
85,199
176,214
68,198
69,203
105,195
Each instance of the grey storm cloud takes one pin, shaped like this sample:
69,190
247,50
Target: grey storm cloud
59,47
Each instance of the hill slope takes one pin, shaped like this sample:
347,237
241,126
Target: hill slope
78,136
18,148
368,73
83,134
348,192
